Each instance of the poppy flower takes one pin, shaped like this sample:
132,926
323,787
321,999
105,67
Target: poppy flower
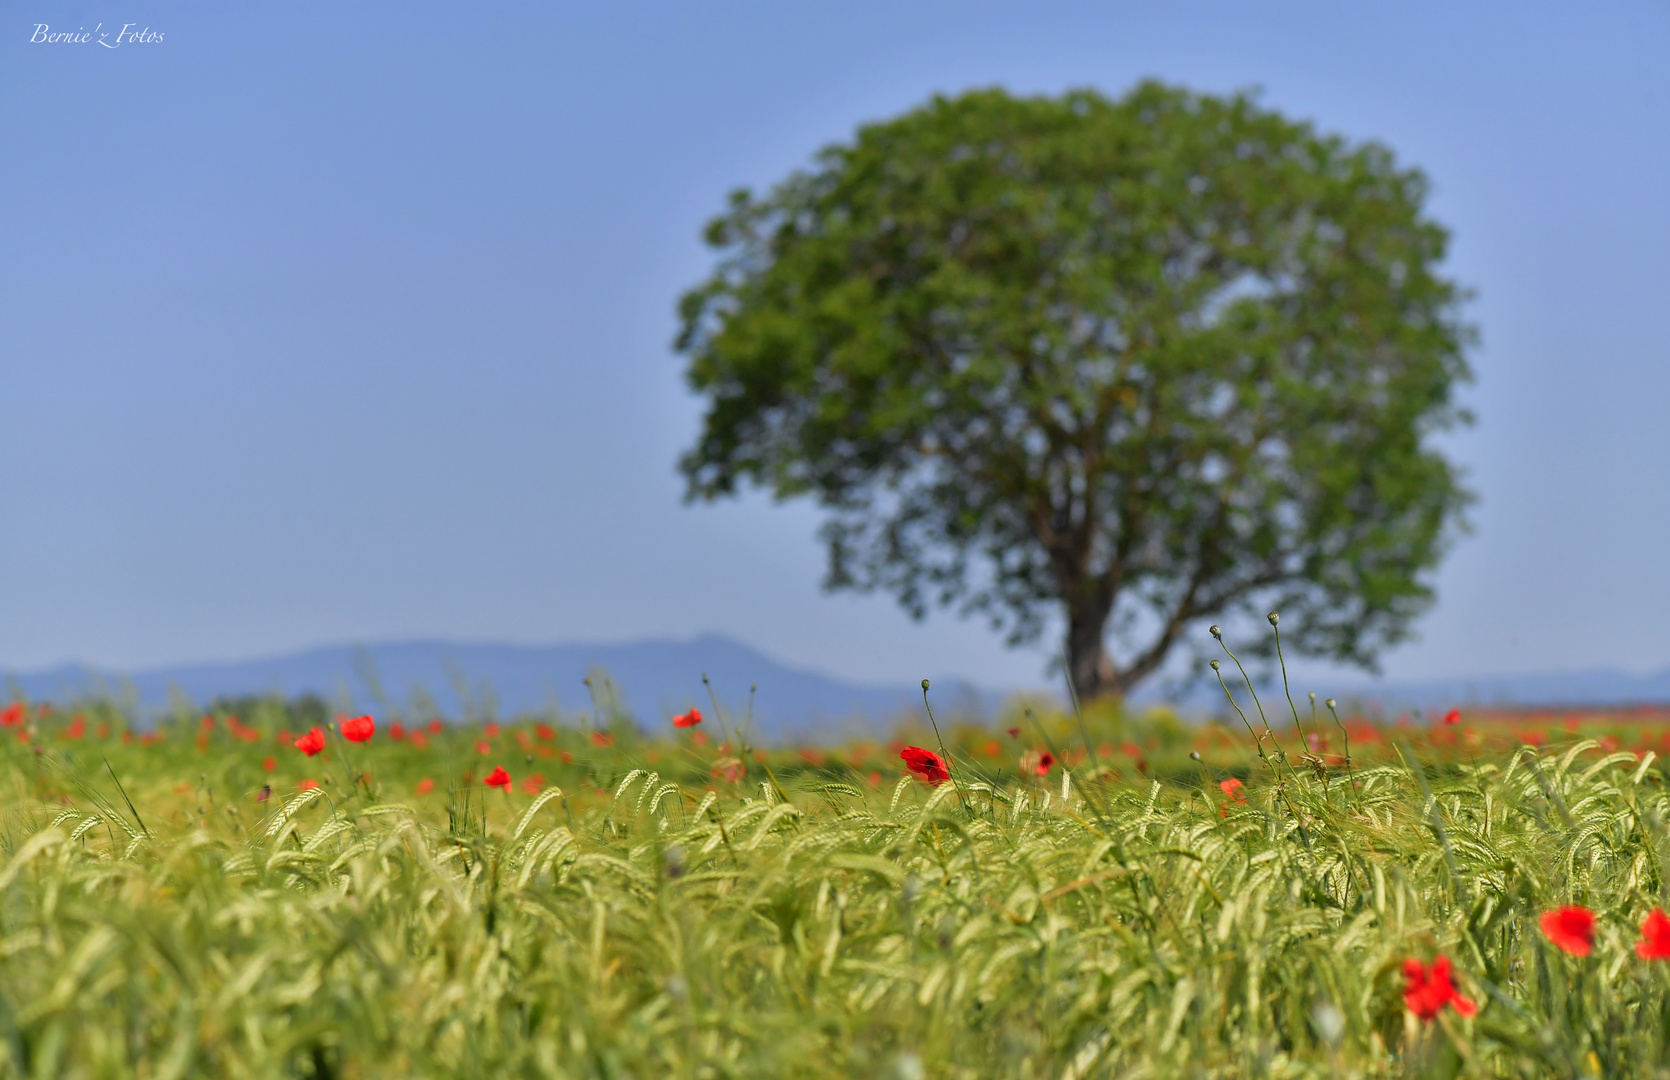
1014,732
689,719
397,731
425,786
602,738
1570,929
77,728
12,715
436,727
1427,990
1655,936
1453,716
1232,789
311,743
926,764
492,730
545,732
498,778
482,746
307,785
359,729
419,740
269,763
533,783
1046,761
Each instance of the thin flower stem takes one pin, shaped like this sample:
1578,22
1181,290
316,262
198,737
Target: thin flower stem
944,755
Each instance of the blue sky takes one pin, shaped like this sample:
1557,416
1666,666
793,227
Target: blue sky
332,322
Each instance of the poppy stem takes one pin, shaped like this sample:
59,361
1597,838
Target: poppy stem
1078,711
944,754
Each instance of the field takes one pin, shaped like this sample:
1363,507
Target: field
1118,896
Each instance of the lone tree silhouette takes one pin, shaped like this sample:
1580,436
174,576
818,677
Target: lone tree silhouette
1145,362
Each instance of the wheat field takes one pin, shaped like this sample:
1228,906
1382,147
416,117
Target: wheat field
1176,901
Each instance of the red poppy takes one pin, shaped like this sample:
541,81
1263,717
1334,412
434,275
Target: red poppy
285,738
498,778
1427,990
1046,761
602,738
77,728
307,785
269,764
1570,928
492,731
436,727
926,764
1655,936
533,783
1232,789
689,719
397,731
419,740
545,731
12,715
425,786
482,746
359,729
1453,716
311,743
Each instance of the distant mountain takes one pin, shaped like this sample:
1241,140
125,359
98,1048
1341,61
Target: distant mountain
1595,686
650,680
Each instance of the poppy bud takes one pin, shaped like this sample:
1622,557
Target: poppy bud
1273,617
1215,632
1194,755
924,684
1214,664
1330,703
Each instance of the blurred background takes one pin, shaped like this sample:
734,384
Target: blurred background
345,325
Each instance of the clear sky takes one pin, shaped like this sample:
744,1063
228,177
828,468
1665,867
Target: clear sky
325,322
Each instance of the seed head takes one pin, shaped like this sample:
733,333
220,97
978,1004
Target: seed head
1313,695
1273,617
1194,755
1330,703
924,684
1215,632
1214,664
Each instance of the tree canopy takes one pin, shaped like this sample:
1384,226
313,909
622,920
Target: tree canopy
1139,362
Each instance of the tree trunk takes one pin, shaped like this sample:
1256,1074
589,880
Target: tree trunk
1087,656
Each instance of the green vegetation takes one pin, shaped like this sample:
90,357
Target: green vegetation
1130,912
1135,363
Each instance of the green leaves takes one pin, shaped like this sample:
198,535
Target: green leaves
1161,358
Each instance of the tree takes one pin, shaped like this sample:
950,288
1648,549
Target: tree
1146,362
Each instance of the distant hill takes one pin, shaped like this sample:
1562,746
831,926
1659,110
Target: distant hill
650,679
1595,686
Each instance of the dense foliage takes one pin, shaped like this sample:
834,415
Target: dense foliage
1133,364
216,902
